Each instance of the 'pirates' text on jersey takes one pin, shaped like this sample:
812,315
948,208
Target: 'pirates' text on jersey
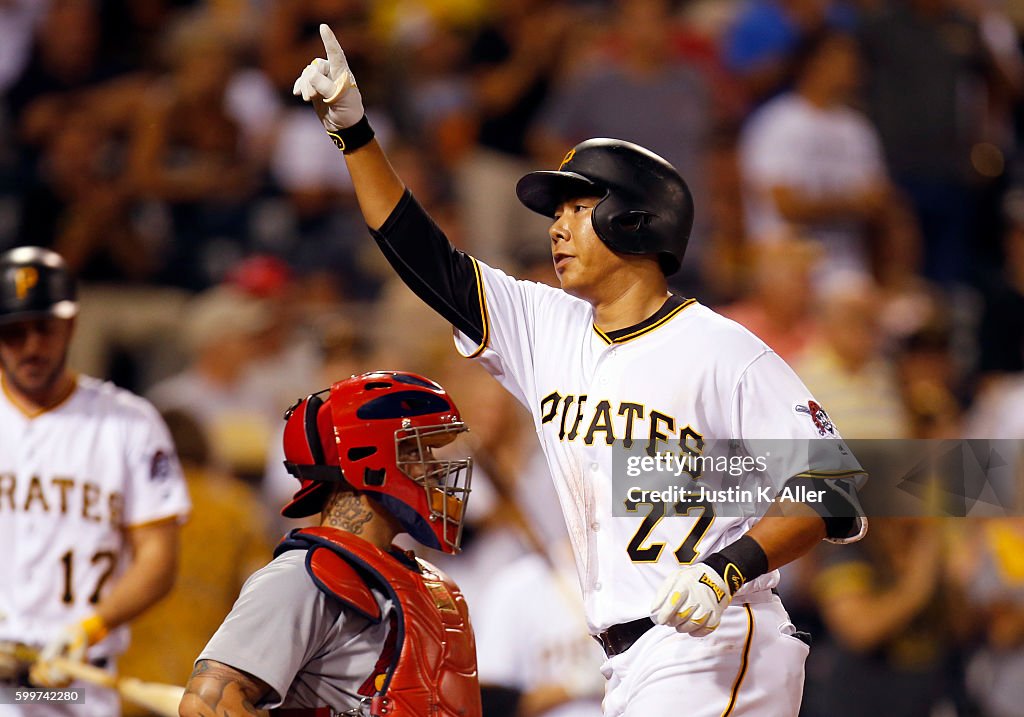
72,479
683,376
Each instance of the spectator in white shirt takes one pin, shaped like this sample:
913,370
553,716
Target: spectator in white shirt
810,161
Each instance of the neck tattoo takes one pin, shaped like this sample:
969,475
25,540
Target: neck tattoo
349,513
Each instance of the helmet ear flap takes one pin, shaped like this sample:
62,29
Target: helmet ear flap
632,231
634,222
307,456
602,217
621,228
316,446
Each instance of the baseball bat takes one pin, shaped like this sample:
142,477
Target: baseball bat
159,698
503,484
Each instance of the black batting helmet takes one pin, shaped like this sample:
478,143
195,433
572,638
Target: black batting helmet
646,207
34,282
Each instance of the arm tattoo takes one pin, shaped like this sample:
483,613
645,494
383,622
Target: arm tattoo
218,690
202,667
349,513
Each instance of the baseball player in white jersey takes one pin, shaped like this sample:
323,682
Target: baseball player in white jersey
683,606
540,662
91,495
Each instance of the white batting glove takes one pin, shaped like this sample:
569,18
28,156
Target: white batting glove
692,600
70,643
330,87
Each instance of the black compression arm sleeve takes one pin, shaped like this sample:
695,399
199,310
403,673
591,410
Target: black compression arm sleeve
437,272
836,508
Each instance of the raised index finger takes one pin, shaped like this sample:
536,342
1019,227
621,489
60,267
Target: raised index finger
335,55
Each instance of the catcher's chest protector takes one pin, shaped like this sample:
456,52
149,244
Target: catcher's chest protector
428,665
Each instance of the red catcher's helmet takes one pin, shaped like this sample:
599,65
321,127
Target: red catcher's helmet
376,432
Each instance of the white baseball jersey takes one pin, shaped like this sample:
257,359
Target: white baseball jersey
526,648
681,378
72,478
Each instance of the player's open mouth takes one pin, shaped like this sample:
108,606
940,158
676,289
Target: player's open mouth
561,260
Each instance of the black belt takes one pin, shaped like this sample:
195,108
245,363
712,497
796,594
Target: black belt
619,638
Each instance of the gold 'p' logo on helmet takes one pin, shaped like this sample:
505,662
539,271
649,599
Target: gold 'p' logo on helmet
25,278
568,158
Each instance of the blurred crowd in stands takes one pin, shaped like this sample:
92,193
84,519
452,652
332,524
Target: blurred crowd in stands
859,181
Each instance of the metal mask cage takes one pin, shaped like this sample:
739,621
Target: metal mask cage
446,482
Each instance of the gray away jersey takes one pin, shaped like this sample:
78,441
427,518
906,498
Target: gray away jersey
305,645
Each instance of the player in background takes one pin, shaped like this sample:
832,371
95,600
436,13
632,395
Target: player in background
683,607
537,662
342,622
91,493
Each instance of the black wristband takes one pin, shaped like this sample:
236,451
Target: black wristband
350,139
739,562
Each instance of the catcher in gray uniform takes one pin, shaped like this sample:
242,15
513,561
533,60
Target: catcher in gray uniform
341,622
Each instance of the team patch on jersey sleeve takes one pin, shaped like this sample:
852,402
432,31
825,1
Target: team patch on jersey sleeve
817,414
160,467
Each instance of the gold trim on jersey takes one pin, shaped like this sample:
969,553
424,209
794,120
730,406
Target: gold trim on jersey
645,329
482,297
179,518
36,412
743,664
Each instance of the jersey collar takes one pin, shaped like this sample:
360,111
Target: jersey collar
36,411
672,306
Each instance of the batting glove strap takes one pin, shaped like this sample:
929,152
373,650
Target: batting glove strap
71,642
350,139
739,563
94,628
